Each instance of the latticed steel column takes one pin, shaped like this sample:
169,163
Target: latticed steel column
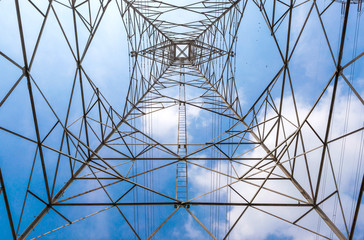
263,154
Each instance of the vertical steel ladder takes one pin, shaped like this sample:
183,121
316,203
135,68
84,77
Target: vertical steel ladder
182,176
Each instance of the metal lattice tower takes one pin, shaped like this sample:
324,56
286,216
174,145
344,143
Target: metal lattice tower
290,160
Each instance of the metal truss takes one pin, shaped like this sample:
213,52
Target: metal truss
89,158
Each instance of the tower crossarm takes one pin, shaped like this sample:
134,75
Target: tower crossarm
131,5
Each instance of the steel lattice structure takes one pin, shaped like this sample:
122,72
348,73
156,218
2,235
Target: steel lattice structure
84,157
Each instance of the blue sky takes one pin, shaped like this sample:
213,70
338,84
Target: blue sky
108,66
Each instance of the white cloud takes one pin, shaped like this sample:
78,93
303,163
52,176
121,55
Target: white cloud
191,231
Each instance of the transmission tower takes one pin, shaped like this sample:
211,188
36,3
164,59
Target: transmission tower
178,154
